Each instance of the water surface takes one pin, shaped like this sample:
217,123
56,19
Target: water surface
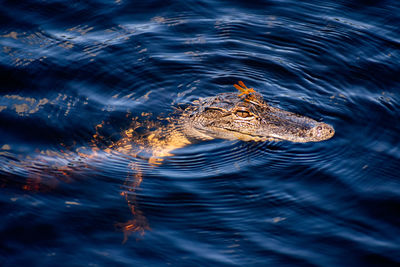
76,74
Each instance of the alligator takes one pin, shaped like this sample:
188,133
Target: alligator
245,116
230,116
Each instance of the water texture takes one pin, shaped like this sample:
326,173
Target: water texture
76,74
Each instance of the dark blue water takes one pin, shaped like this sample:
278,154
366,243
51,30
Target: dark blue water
74,74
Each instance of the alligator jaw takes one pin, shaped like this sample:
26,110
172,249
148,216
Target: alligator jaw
285,125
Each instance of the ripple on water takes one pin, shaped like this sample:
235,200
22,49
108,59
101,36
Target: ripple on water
69,70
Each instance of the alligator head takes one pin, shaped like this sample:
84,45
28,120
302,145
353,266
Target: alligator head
248,117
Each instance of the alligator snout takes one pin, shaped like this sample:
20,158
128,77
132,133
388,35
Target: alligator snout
322,131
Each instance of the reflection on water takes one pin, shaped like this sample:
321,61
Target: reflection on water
84,85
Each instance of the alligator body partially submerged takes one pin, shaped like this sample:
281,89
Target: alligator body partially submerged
229,116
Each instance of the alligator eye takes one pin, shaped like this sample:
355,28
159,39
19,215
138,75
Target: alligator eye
242,114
